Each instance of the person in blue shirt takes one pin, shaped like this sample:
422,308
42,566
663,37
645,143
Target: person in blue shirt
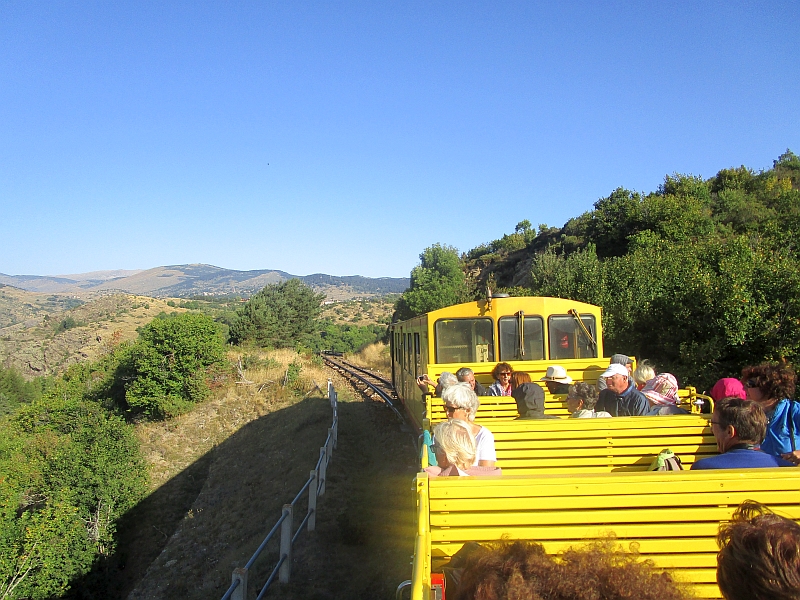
621,398
772,385
738,426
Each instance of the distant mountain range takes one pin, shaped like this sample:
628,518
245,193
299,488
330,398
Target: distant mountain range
181,281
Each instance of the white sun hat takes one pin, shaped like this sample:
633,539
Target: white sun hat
557,373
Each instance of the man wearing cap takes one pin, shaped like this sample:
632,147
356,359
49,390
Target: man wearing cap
617,359
621,398
557,380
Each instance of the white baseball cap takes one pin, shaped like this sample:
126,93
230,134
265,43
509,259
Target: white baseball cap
615,369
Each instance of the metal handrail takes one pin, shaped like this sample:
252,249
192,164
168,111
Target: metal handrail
315,486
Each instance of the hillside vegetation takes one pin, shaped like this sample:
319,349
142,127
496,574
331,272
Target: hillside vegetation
43,334
78,445
701,275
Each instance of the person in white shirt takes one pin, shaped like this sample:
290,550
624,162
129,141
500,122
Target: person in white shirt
461,402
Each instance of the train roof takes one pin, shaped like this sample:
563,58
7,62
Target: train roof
498,307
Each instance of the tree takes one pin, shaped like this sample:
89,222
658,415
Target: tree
167,366
436,282
69,470
281,315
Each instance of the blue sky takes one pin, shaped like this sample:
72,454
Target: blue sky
345,137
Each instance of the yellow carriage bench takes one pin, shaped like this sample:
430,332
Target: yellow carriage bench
504,408
671,518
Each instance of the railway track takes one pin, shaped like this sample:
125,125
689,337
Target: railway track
368,383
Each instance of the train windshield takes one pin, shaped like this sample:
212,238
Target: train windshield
569,340
464,340
530,346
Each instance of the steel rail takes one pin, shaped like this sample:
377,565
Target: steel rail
350,373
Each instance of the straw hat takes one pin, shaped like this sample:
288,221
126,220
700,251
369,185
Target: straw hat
557,373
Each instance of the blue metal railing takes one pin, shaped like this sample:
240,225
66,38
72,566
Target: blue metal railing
315,486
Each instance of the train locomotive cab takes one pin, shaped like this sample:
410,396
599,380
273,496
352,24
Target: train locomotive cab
530,333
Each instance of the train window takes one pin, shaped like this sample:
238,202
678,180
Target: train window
409,353
568,340
398,348
464,340
417,357
530,346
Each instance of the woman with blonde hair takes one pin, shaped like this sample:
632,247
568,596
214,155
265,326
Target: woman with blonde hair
461,402
455,448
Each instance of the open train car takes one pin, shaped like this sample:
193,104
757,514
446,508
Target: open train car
530,333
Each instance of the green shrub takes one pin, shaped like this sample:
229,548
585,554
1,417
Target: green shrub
65,324
279,316
69,470
167,366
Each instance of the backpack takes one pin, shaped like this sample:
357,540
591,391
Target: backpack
666,460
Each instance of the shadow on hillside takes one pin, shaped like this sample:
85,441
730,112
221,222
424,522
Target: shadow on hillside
283,445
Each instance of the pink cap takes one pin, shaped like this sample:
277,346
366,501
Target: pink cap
727,387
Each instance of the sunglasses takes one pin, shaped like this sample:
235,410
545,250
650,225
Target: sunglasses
751,383
434,448
504,374
450,409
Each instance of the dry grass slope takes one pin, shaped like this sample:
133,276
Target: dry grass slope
32,343
221,474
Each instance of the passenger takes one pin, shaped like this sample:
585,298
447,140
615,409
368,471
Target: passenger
644,372
616,359
557,380
445,379
738,426
466,374
759,555
528,395
727,387
662,394
455,450
621,398
516,570
502,380
771,385
581,401
460,402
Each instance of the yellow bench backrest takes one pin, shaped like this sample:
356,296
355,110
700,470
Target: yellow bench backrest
672,518
505,407
547,446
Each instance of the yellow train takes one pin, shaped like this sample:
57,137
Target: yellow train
565,481
530,333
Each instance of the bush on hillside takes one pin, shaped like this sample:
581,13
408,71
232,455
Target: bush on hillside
167,368
15,390
348,338
703,277
69,470
436,282
282,315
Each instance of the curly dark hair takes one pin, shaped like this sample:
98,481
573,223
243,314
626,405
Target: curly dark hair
586,392
775,380
759,555
503,366
599,571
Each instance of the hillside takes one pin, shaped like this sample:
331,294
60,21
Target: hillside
182,281
42,334
221,473
702,276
